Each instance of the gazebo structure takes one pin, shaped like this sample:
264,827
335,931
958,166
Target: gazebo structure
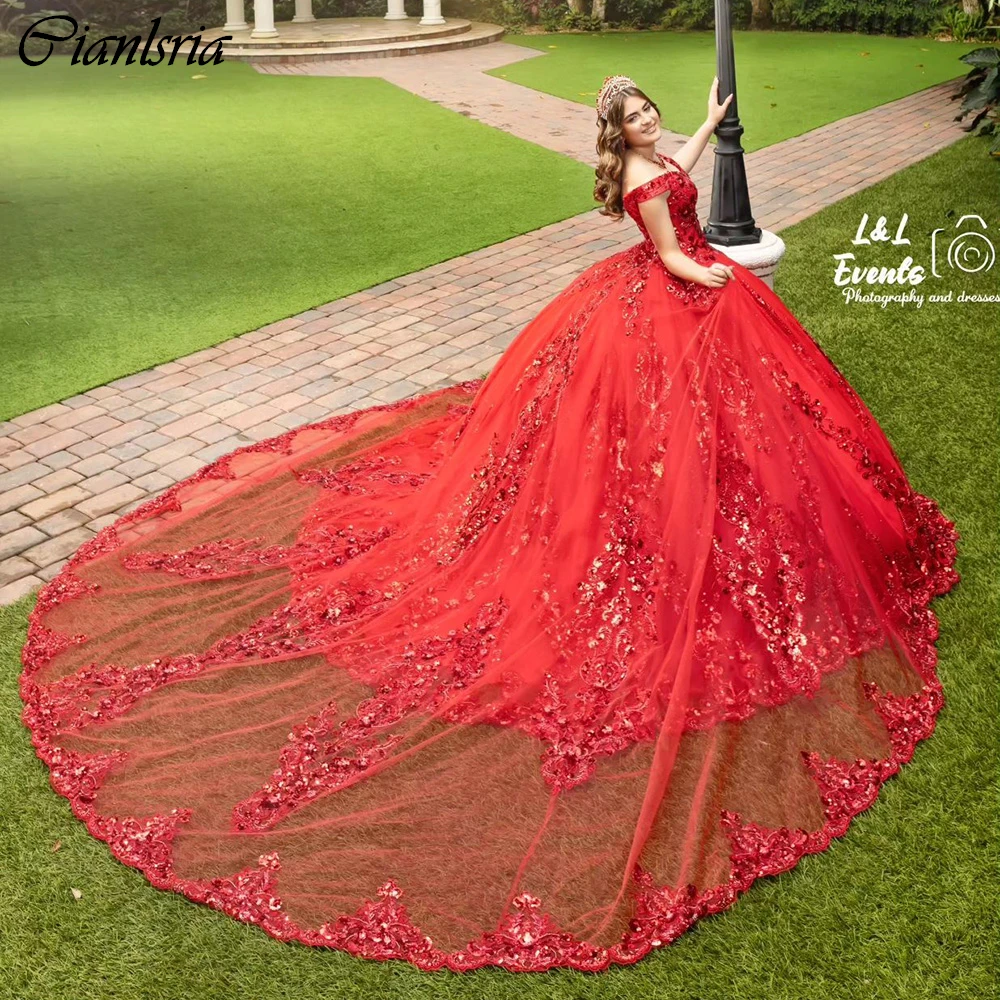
307,37
263,15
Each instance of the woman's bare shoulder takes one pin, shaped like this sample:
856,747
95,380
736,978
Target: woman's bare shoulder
638,171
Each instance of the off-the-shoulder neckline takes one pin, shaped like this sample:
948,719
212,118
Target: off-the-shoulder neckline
639,187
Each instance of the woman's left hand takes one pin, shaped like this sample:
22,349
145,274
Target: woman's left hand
717,111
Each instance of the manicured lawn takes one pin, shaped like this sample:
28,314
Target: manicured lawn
787,82
900,907
147,214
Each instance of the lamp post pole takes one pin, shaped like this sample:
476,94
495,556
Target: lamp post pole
730,221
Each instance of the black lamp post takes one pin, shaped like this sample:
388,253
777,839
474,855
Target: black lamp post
730,221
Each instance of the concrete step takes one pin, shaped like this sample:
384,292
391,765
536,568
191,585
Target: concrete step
474,33
410,33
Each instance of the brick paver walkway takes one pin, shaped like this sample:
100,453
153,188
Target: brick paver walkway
68,469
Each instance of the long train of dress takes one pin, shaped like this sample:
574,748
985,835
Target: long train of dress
535,670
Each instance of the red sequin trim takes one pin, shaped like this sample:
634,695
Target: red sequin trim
526,939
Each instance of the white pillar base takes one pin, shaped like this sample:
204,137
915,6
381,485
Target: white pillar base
263,19
432,13
395,11
303,12
762,258
236,18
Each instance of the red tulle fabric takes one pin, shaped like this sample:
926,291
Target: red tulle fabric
530,671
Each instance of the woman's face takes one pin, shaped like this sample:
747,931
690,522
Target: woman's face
640,122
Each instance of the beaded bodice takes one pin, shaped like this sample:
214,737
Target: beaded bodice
683,201
643,258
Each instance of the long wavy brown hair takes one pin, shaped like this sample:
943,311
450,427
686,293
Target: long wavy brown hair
611,154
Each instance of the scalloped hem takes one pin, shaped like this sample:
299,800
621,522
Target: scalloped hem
526,939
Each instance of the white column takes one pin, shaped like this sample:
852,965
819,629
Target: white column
303,11
396,11
263,19
236,19
432,13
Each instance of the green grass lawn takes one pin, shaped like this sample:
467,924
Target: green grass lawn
148,214
787,82
903,906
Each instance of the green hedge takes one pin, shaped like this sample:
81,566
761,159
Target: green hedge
883,17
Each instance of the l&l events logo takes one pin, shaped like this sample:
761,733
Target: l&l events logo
964,248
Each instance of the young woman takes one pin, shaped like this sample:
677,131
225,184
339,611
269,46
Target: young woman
531,671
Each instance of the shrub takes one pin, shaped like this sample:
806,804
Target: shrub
980,91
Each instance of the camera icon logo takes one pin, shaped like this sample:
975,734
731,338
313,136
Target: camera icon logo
971,252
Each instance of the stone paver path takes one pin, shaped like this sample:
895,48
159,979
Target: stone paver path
68,469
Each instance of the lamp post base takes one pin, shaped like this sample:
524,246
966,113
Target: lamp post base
762,258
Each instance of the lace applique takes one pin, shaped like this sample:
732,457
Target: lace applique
499,478
46,645
307,622
94,693
146,844
323,756
527,938
653,382
229,555
320,546
250,895
358,477
825,372
931,537
610,612
638,261
382,929
313,765
662,914
739,398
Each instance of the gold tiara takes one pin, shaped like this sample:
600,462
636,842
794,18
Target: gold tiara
613,85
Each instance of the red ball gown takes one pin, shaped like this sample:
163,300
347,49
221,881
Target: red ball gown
535,670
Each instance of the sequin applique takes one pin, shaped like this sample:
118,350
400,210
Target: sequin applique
527,938
644,257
